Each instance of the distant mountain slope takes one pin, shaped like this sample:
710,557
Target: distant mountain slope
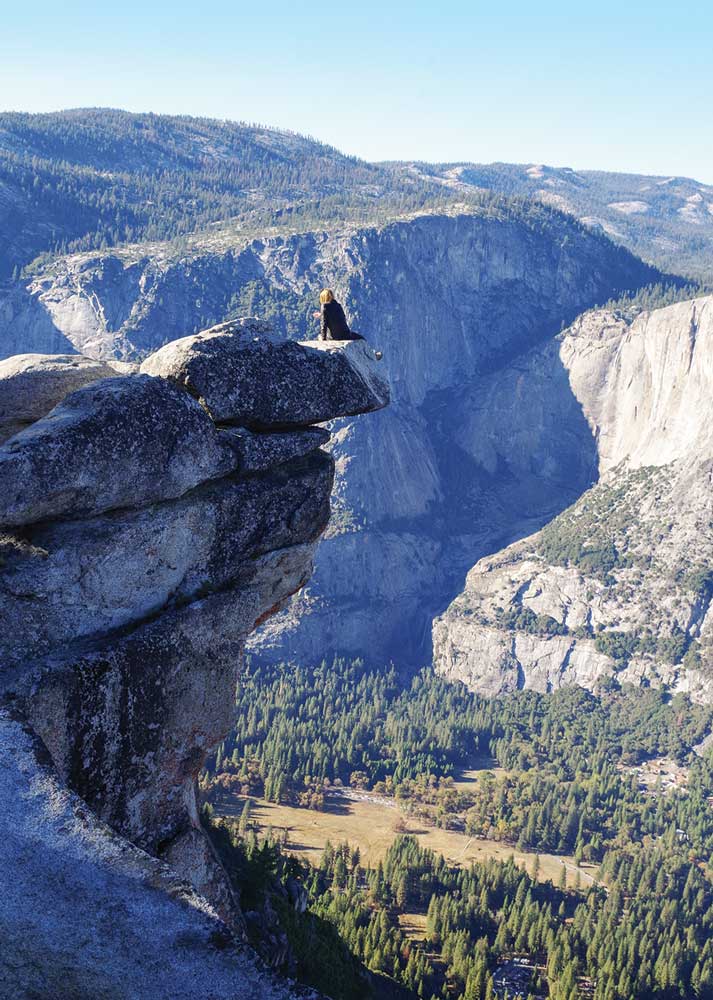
83,179
665,220
93,178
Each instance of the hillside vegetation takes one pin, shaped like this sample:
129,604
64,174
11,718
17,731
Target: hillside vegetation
667,221
93,178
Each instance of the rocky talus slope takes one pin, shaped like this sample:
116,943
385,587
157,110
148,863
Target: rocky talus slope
619,585
149,521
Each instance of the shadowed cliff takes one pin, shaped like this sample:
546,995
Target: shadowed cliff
618,587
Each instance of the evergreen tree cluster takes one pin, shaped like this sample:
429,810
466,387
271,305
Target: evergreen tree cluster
647,935
656,296
569,785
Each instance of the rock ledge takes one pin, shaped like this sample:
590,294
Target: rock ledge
140,544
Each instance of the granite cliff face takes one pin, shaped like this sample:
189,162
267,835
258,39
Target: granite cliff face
142,538
450,299
453,300
620,584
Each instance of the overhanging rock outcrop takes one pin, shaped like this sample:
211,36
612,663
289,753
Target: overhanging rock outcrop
224,368
140,543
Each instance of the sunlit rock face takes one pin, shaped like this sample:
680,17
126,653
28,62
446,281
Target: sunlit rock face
140,544
617,588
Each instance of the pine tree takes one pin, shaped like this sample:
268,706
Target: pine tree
245,818
562,880
536,867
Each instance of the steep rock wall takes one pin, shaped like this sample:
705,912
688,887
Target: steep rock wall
450,299
620,585
453,300
140,544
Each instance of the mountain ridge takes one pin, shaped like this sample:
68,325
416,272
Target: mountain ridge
449,298
219,169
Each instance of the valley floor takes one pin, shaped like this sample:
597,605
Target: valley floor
422,780
371,823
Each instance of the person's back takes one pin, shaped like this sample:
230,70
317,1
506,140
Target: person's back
333,324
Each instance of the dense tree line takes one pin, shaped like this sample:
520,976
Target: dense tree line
568,756
657,296
567,784
647,935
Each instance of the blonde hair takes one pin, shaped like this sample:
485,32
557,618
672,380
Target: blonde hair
326,295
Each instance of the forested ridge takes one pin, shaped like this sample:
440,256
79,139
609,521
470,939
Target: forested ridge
569,784
91,179
94,178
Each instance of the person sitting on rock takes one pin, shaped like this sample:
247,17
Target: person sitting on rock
334,324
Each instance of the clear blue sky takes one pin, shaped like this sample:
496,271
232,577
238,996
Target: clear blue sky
618,86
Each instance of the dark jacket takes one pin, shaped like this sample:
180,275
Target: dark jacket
334,324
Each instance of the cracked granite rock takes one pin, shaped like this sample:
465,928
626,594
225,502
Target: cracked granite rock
32,384
309,382
85,913
120,442
141,545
